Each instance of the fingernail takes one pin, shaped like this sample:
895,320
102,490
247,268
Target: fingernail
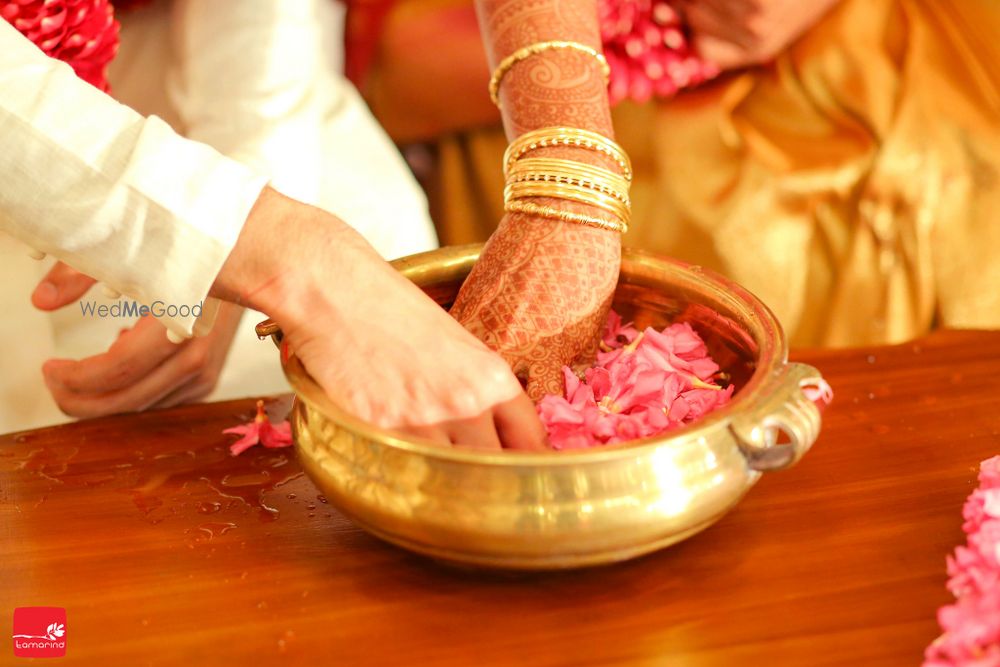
46,292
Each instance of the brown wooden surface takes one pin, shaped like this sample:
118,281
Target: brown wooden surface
166,551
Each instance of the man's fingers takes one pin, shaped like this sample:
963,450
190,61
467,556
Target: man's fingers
136,398
477,433
176,372
436,433
60,286
518,426
512,425
133,356
189,393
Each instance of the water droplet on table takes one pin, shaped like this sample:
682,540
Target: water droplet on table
207,507
210,530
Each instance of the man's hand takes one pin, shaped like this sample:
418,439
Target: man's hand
141,369
371,339
540,294
740,33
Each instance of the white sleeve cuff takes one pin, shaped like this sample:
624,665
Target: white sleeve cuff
117,196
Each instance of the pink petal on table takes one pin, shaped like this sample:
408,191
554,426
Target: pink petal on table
989,473
260,431
969,572
991,502
974,511
276,435
971,624
244,443
986,541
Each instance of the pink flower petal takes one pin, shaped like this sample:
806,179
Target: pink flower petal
642,385
244,443
260,431
971,624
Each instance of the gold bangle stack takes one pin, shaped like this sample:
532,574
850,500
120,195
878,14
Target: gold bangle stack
533,50
551,170
566,136
576,193
570,180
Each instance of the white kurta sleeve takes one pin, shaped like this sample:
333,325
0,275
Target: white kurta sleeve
259,80
117,196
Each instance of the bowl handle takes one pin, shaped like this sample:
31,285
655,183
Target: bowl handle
269,328
792,403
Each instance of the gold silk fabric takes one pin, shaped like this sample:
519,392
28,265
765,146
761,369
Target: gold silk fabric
852,184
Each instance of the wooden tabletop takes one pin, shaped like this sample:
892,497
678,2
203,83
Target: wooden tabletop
166,551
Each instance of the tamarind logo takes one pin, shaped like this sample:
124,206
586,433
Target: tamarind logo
39,632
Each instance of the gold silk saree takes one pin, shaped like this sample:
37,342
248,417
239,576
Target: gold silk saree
852,184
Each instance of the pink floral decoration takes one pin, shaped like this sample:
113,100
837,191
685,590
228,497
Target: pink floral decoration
648,50
644,383
260,431
971,624
81,33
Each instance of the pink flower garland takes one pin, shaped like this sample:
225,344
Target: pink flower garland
648,50
642,385
971,624
81,33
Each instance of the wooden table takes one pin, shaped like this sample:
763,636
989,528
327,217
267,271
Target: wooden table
166,551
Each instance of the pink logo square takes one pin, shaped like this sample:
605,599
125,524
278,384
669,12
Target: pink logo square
39,632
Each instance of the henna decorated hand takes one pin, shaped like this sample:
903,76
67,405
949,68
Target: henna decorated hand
540,292
539,296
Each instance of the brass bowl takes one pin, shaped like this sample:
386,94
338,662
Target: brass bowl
541,511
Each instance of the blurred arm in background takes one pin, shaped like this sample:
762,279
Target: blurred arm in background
741,33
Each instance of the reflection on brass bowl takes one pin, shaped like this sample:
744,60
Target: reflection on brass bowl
538,511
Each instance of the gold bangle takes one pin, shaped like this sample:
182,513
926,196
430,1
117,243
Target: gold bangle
559,165
569,192
530,208
533,50
545,177
570,171
566,136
